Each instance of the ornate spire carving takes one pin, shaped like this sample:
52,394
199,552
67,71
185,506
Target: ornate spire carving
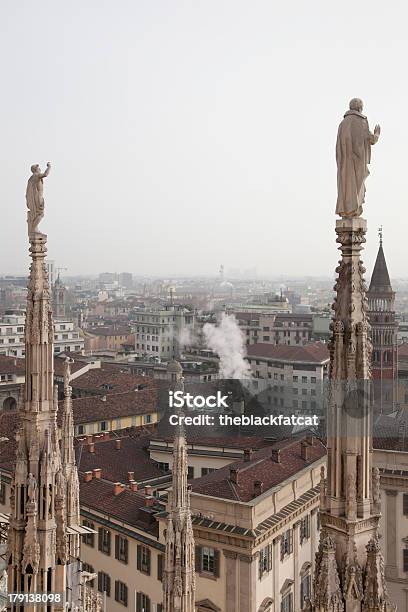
350,508
179,569
38,543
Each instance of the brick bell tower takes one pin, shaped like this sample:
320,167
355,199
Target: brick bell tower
381,312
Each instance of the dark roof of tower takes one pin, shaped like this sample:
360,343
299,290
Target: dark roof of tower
380,279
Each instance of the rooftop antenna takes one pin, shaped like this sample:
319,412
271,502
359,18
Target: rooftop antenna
380,234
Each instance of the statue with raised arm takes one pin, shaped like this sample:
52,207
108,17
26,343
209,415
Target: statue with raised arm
35,198
353,154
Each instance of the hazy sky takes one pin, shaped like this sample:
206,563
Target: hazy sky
184,135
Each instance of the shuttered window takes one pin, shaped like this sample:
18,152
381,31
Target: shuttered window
304,528
143,559
104,583
104,540
287,603
121,592
142,603
121,548
208,560
265,560
405,559
286,543
160,560
88,538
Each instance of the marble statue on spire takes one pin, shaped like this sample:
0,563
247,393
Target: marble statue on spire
35,198
353,154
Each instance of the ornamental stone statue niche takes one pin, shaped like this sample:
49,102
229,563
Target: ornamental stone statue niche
353,154
35,198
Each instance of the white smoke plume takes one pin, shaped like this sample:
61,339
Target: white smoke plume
227,340
187,336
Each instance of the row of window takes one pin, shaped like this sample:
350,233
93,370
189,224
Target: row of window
207,558
104,425
4,377
286,546
143,602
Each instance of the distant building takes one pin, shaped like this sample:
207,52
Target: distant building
126,280
295,374
115,337
12,376
115,411
59,299
384,332
12,340
50,266
283,328
163,332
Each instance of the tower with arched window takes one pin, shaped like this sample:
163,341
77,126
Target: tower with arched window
384,327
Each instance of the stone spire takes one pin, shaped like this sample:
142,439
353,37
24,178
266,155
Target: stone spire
179,568
37,548
44,500
349,498
69,463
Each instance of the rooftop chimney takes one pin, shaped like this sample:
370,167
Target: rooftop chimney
310,440
133,485
305,451
234,475
103,398
131,476
258,488
118,444
148,490
87,476
91,447
149,501
97,473
275,455
248,454
118,487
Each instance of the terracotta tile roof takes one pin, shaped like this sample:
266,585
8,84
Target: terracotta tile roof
115,405
111,330
261,467
127,507
116,463
193,436
11,365
315,352
108,380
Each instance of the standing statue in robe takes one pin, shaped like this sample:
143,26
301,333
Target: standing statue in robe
35,198
353,154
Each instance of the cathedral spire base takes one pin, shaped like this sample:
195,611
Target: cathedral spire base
349,572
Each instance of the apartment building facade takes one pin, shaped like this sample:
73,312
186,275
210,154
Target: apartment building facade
12,339
163,332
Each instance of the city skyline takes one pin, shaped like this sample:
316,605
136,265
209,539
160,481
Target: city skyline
219,121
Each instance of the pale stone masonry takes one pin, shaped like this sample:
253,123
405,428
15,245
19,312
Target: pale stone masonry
38,551
349,566
179,561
